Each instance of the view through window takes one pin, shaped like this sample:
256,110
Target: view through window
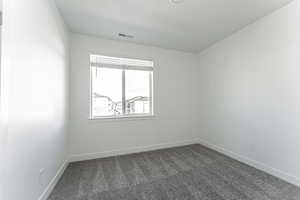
120,87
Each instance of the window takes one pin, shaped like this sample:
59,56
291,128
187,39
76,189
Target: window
120,87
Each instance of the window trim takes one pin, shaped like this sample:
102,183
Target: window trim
124,116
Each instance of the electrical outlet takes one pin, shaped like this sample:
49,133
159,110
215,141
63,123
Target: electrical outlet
41,176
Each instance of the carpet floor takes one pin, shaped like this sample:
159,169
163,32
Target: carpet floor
191,172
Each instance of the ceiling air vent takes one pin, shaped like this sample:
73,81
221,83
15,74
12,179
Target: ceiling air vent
125,35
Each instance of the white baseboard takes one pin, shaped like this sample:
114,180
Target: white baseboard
258,165
90,156
53,182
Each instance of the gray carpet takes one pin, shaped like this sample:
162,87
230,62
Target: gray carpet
184,173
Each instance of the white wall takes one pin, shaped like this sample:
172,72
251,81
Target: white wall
175,100
36,66
3,131
251,92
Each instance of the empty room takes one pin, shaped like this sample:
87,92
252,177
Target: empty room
150,100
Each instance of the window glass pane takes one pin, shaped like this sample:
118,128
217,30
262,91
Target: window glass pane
106,91
137,90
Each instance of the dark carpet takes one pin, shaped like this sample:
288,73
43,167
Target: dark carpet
191,172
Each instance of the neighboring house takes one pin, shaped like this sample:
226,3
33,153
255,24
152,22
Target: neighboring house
105,105
139,104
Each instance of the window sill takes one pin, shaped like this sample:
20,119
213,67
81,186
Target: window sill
123,118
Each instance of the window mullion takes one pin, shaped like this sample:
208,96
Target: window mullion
123,92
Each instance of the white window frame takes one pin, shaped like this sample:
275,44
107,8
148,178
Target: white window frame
146,66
